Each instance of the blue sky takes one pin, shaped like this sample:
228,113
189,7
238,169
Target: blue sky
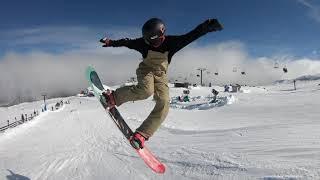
266,28
44,41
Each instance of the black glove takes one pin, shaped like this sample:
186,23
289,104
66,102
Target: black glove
212,25
106,42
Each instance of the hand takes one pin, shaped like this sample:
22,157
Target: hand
213,25
106,42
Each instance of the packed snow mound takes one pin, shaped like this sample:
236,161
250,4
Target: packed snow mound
314,77
255,90
246,91
201,102
309,77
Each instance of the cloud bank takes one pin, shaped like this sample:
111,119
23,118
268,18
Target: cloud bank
30,74
227,57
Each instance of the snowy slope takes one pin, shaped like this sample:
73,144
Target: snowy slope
266,133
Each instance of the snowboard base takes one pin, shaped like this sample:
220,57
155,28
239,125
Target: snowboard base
145,154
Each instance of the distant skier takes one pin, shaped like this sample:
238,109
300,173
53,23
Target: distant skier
22,118
157,50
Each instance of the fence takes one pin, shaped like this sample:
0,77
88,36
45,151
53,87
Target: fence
25,117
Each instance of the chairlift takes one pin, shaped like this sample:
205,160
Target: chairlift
186,91
216,72
214,92
234,69
276,65
285,70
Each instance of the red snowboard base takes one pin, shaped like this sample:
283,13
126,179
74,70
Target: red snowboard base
151,160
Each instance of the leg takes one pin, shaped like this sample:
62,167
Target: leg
142,90
160,111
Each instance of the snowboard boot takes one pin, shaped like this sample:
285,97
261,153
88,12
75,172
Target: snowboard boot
109,96
137,140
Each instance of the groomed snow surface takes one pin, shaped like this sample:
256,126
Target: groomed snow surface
270,133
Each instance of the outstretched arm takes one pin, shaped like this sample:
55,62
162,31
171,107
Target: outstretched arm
129,43
179,42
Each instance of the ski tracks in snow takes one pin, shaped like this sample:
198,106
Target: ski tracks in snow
193,163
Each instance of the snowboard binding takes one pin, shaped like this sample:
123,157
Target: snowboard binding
137,140
109,97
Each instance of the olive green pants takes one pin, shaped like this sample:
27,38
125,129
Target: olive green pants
149,82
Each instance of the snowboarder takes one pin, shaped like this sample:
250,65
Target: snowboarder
157,50
215,93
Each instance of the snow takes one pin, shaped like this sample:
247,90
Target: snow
269,132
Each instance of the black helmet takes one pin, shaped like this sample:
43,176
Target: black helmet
153,32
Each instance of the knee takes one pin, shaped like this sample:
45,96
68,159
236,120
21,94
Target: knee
148,92
164,102
145,91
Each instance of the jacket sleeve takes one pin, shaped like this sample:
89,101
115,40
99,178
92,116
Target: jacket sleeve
135,44
178,42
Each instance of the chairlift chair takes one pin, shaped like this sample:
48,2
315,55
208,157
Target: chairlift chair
234,69
285,70
214,92
187,91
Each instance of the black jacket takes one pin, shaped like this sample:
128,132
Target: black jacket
172,44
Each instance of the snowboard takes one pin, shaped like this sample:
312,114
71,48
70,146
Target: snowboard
98,89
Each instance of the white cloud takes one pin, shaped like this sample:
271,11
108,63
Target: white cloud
35,72
314,9
226,56
64,36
